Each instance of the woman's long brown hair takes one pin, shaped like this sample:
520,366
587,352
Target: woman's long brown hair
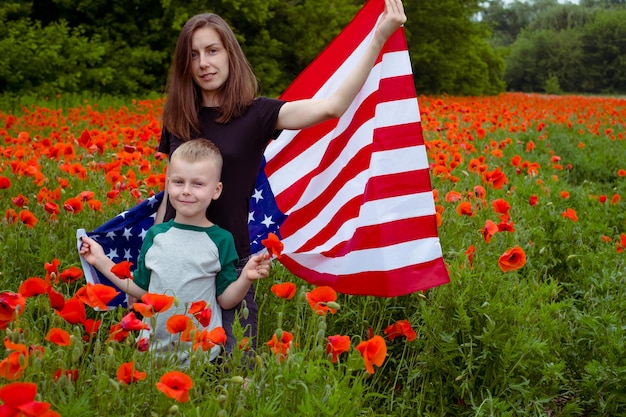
184,98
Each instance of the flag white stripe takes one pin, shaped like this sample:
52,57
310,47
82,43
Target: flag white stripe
372,213
395,161
377,259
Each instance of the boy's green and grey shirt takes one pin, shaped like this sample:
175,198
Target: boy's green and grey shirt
174,257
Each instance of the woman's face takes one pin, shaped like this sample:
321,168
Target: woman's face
209,64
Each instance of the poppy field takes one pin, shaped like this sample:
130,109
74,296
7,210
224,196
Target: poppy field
530,192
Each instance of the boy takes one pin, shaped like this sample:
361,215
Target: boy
188,257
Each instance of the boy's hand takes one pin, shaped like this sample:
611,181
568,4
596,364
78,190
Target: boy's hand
91,250
257,267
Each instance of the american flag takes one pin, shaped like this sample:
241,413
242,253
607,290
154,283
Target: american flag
121,238
351,198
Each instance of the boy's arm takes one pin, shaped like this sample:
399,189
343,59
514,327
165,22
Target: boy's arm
93,253
256,268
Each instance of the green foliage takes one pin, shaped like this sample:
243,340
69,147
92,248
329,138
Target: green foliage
49,60
538,56
449,52
605,51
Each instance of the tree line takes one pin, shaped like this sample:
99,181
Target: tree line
460,47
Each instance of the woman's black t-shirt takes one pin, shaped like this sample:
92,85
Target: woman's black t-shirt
242,142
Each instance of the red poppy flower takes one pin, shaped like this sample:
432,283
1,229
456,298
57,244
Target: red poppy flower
453,196
52,270
615,199
218,336
12,367
91,327
96,295
533,200
400,328
512,259
244,344
207,339
495,178
143,344
178,323
57,301
11,216
280,346
489,230
337,345
71,274
20,201
602,198
11,304
464,209
52,208
59,337
18,399
176,385
5,183
144,309
86,195
122,270
621,172
159,302
33,286
127,374
73,311
130,322
319,298
117,333
201,312
73,205
273,245
70,374
570,214
373,352
28,219
506,227
286,290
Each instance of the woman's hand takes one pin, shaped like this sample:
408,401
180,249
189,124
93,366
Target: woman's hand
392,19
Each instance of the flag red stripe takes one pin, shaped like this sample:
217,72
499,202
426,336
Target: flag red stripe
386,234
389,283
316,73
398,136
378,187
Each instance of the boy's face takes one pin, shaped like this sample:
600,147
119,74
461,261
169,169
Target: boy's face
191,187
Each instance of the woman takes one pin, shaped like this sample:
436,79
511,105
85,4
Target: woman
212,93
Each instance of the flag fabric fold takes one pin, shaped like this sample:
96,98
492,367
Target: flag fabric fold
351,198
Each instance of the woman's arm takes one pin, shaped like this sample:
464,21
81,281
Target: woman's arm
304,113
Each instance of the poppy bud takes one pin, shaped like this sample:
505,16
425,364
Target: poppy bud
114,385
279,334
245,313
332,305
173,410
237,379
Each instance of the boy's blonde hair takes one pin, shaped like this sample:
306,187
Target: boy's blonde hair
200,150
